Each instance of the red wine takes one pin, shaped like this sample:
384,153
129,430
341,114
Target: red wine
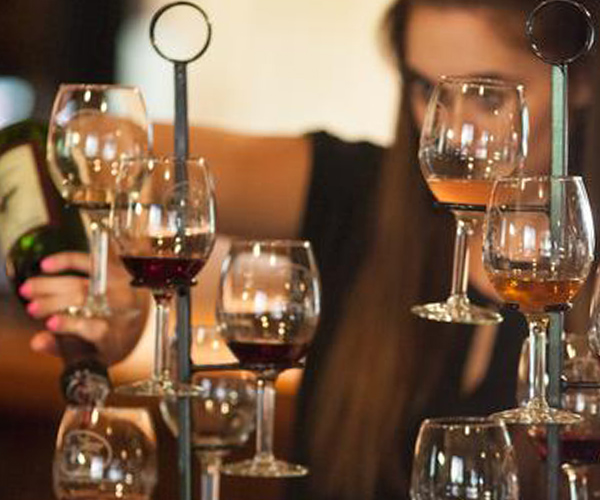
576,448
267,353
35,223
268,339
162,272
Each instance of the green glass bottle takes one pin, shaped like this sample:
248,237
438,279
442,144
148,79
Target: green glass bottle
35,222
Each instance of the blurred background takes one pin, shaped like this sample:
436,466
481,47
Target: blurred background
280,67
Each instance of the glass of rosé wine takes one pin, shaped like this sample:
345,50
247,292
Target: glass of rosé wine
538,250
474,131
268,307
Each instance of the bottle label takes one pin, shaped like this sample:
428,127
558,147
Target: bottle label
22,201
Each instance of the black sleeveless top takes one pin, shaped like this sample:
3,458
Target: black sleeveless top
341,198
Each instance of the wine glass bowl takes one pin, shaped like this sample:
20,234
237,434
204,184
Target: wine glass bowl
475,131
105,453
92,128
164,227
268,307
538,250
463,457
223,411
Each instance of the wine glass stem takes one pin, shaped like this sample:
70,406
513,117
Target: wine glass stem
210,477
161,329
538,325
99,254
578,481
265,393
460,266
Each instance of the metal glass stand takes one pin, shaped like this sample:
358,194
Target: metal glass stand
546,19
180,58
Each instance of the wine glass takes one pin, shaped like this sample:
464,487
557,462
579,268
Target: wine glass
164,226
462,457
580,442
267,307
223,413
93,127
475,131
105,453
538,250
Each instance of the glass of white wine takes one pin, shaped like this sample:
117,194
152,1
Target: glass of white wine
92,129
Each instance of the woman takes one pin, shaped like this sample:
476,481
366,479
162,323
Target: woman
375,370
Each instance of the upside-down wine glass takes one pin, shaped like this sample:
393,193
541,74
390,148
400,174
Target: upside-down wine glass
464,458
580,442
164,226
92,128
224,411
268,307
475,131
538,250
105,453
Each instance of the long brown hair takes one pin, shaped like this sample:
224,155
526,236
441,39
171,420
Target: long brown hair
385,362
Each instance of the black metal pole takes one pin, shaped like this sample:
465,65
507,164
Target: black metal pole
183,295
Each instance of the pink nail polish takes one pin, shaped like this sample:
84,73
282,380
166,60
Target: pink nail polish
52,323
47,265
25,290
33,308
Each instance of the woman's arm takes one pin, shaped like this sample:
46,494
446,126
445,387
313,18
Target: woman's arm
261,182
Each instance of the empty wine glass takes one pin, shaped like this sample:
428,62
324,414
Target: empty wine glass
164,226
223,413
92,128
223,416
461,457
268,306
105,453
538,250
475,131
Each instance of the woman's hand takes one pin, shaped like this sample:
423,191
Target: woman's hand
51,294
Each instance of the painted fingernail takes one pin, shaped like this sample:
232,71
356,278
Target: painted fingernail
47,264
33,308
52,323
25,290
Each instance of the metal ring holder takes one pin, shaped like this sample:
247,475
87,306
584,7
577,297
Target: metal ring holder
543,24
183,293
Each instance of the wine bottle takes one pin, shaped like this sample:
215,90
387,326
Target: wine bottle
34,223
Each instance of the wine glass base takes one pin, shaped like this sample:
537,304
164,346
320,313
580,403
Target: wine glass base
157,388
457,312
538,414
264,467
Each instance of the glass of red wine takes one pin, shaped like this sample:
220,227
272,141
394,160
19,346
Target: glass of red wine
164,226
580,443
268,307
